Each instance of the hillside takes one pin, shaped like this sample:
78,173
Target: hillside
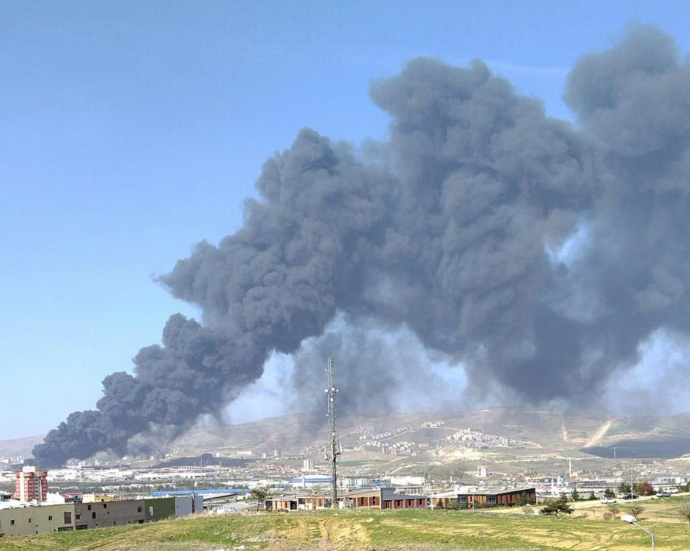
597,434
18,446
292,433
668,436
368,530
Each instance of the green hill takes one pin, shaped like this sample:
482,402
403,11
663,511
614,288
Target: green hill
368,531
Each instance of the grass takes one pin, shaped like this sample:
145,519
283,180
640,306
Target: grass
375,530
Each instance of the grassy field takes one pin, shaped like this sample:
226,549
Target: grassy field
374,530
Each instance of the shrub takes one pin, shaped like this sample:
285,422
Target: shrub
684,512
560,505
636,510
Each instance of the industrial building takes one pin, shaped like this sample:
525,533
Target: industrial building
26,521
500,498
99,514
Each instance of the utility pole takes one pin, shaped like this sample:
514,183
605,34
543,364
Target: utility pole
333,428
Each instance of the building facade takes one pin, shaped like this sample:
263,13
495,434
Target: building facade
30,520
31,484
101,514
503,498
188,505
26,521
383,498
159,508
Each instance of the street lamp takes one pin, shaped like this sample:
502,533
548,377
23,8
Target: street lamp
632,520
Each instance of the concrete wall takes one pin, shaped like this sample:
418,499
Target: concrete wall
109,513
25,521
198,504
159,508
184,506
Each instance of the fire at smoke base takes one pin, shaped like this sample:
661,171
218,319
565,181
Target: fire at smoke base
453,229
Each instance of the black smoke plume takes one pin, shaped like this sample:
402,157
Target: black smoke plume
538,255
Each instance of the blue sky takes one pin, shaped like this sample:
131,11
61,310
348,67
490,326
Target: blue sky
129,131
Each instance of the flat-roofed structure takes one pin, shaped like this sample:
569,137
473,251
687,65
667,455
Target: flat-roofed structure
383,498
101,514
25,521
497,498
297,502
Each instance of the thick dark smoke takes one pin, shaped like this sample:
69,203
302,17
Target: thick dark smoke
377,371
538,255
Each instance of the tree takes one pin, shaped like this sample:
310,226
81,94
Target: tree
644,488
522,500
592,497
575,495
636,510
624,488
259,494
609,493
614,510
555,506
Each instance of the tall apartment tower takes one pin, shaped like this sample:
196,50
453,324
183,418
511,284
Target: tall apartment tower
31,484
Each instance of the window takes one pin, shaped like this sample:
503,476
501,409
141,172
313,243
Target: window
89,507
11,523
93,515
67,519
50,517
78,516
105,505
139,509
29,520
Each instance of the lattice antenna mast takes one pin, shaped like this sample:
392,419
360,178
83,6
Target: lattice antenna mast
333,428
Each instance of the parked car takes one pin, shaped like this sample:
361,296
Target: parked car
663,494
608,500
628,496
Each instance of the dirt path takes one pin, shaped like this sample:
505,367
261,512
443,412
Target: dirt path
564,432
599,434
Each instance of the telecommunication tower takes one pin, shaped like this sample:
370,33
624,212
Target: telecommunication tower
334,451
